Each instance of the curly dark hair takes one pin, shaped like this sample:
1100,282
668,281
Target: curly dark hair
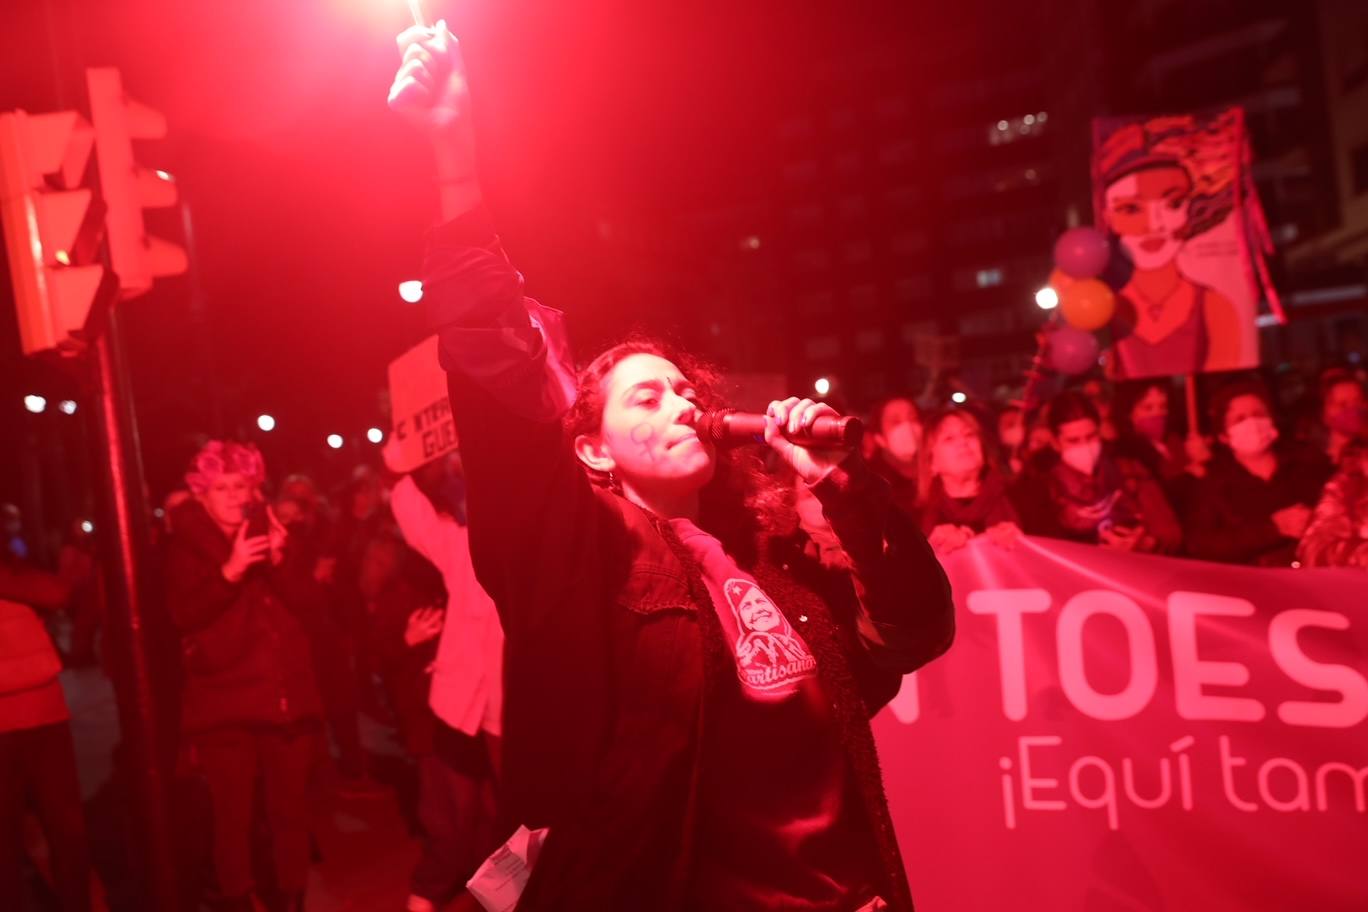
1071,405
1129,394
742,501
1241,386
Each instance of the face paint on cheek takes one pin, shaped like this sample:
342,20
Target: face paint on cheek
644,435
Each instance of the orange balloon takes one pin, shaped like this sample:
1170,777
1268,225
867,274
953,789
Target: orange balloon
1087,304
1060,280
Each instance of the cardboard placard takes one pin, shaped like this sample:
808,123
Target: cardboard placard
424,428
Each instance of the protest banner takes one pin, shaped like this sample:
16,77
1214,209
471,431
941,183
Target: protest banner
1124,732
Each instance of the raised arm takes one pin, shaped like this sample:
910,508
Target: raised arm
510,376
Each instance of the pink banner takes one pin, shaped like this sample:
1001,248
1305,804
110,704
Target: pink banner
1120,732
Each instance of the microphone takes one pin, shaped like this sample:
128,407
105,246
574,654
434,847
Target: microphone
729,428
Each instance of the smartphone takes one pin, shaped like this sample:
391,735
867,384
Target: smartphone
255,515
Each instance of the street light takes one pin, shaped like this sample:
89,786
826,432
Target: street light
35,404
335,441
411,291
266,422
66,407
375,435
1047,298
958,398
822,386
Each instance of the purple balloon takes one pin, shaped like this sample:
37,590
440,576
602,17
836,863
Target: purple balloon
1071,351
1082,252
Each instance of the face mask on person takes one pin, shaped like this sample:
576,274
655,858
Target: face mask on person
1252,436
1348,421
1083,457
1151,427
902,442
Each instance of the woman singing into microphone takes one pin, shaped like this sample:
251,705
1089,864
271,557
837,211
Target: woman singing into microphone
687,695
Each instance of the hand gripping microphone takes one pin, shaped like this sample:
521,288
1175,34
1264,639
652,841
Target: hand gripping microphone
730,428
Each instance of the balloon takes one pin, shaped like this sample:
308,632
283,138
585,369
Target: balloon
1082,252
1059,280
1087,304
1071,351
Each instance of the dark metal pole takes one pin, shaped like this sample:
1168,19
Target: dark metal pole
126,545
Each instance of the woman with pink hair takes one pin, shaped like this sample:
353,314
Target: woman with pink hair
250,710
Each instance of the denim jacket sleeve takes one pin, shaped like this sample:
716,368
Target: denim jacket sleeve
907,616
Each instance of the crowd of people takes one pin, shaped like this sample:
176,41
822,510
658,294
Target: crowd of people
279,618
1114,465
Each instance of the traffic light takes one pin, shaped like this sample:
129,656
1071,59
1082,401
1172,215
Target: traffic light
52,227
127,189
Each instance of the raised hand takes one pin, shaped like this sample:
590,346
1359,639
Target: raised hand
430,87
246,552
423,625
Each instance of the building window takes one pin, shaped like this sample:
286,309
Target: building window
841,119
1010,130
907,243
903,197
864,297
973,279
848,163
912,288
852,207
796,128
814,303
891,109
856,252
896,153
800,171
869,340
987,278
822,347
808,215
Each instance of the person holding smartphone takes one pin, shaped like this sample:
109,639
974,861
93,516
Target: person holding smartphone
250,709
686,693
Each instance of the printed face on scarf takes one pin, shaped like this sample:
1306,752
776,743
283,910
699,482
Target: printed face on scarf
957,450
647,437
757,612
226,497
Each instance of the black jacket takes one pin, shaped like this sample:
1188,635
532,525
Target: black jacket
244,651
612,643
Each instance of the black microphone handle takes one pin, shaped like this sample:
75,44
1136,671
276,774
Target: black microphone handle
725,427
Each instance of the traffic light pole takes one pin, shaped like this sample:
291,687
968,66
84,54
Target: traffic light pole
124,525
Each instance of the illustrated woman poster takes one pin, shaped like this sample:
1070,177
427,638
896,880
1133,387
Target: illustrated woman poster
1175,194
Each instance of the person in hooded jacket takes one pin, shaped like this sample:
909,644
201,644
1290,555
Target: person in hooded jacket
250,708
1091,496
1257,498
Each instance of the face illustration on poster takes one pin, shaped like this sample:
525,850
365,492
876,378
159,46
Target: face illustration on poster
1168,196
